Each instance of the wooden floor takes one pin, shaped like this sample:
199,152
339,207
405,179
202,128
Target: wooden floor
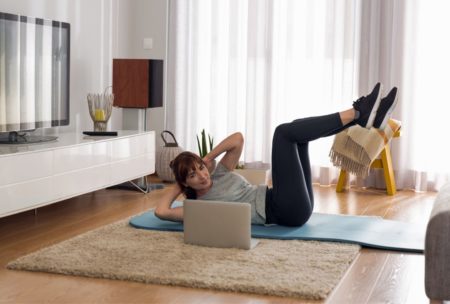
376,276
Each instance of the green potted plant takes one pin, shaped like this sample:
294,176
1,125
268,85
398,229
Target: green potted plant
202,145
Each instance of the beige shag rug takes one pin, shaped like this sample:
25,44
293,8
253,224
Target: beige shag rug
304,269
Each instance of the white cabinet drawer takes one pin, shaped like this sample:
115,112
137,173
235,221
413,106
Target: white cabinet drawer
82,181
136,167
127,148
132,146
22,196
27,166
81,157
149,141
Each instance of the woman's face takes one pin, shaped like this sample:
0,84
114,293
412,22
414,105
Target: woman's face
199,179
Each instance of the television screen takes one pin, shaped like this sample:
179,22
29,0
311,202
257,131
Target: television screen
34,73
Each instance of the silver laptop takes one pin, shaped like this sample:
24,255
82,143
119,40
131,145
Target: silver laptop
218,224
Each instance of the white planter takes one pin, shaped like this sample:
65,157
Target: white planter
255,176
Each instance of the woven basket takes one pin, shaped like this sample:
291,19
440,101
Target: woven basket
165,155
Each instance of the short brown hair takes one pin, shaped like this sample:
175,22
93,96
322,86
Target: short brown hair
181,166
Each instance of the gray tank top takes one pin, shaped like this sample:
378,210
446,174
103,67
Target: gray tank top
232,187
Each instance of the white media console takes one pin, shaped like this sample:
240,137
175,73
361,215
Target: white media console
36,175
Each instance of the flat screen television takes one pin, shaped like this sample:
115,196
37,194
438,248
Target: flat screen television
34,77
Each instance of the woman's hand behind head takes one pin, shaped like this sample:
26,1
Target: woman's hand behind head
210,163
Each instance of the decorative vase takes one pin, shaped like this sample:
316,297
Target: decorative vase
165,155
100,108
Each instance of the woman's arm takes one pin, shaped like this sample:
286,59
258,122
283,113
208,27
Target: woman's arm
232,146
164,208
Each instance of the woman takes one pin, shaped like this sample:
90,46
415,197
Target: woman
290,201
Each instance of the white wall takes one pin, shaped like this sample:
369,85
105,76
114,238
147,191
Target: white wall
100,31
142,19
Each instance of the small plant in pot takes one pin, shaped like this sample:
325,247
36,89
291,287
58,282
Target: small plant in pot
240,166
202,144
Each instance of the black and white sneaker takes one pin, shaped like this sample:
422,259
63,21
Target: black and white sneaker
367,107
385,109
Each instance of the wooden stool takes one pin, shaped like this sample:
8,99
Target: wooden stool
384,162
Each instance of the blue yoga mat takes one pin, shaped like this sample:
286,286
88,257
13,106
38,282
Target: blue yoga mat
368,231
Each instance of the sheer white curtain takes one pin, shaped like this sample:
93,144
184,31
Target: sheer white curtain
423,154
404,43
249,65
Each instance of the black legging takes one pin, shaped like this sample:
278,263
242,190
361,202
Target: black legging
290,201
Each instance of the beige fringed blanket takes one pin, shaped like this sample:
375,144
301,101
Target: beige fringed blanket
355,148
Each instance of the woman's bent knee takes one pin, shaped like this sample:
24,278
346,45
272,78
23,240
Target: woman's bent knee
281,129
